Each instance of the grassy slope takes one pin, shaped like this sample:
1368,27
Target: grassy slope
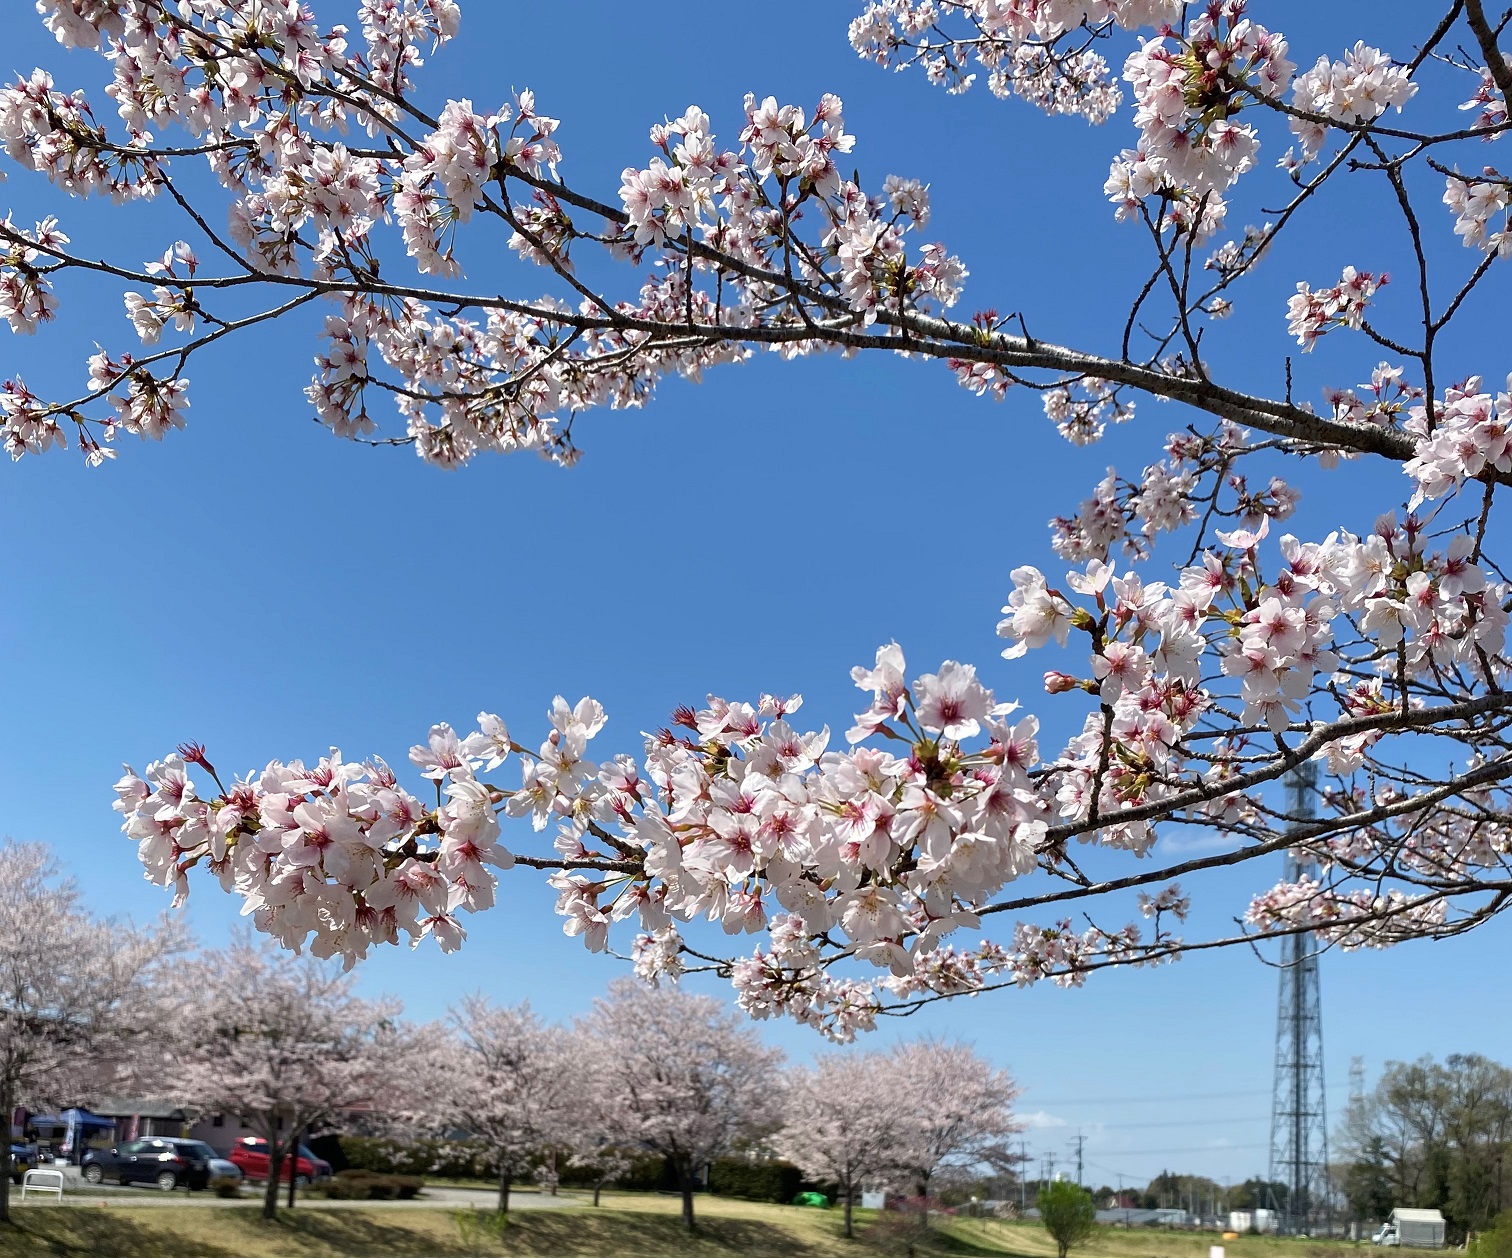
628,1226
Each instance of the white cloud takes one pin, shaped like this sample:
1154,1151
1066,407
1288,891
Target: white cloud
1040,1119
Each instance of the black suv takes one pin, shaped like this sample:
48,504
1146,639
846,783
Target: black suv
162,1160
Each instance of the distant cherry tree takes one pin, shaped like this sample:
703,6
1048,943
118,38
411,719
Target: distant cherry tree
842,1123
504,1085
954,1110
678,1076
77,994
347,198
595,1147
283,1043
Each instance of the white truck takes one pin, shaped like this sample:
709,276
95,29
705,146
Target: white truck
1413,1229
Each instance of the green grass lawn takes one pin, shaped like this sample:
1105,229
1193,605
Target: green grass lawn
628,1225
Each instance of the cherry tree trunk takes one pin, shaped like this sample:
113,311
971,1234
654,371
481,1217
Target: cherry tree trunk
503,1190
850,1205
7,1106
598,1187
685,1179
275,1165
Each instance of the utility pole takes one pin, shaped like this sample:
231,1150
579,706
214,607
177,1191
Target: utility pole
1050,1161
1023,1176
1299,1113
1079,1142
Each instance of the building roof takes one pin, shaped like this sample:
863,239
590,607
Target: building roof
138,1107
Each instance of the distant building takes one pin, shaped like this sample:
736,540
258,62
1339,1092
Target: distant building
138,1117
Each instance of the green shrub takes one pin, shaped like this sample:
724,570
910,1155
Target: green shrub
1068,1213
645,1175
1496,1240
356,1185
754,1181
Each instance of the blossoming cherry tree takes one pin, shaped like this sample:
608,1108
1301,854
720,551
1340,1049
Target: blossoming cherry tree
867,865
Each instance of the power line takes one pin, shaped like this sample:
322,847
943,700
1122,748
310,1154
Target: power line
1108,1170
1149,1100
1179,1122
1198,1148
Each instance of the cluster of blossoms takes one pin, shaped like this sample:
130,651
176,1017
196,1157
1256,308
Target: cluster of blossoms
1470,434
1358,89
499,385
56,135
1188,90
270,100
1462,842
1038,50
1312,312
444,180
747,821
887,851
1131,513
1346,919
1479,205
1386,402
1082,411
1490,104
329,854
726,198
26,300
30,425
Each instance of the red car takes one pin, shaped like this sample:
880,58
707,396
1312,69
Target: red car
251,1154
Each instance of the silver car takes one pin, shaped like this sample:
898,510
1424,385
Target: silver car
224,1168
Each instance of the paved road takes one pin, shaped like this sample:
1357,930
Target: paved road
108,1195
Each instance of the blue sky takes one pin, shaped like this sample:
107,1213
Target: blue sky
261,587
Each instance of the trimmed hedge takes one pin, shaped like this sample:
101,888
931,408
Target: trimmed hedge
442,1160
367,1186
646,1175
754,1181
461,1160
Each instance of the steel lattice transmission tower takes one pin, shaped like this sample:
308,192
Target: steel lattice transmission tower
1299,1113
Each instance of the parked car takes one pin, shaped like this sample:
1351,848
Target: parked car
251,1154
23,1159
224,1168
162,1160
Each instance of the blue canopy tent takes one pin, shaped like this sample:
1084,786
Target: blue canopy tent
75,1126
